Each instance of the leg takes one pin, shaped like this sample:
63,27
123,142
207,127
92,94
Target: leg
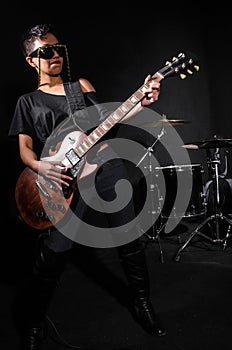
48,267
133,261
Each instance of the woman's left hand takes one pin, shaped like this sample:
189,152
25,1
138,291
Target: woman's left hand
152,93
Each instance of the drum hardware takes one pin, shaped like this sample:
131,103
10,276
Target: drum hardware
154,236
217,215
163,122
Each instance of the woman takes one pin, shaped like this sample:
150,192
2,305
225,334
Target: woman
37,115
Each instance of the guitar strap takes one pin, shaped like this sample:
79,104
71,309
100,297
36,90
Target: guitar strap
74,96
77,113
76,103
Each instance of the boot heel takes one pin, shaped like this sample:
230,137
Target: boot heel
148,319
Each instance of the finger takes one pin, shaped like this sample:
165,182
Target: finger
148,78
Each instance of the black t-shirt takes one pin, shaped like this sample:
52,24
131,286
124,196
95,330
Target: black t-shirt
37,114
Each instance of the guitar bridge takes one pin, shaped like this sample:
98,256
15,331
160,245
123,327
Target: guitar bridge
77,167
74,171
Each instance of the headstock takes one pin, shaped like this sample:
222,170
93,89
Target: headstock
182,64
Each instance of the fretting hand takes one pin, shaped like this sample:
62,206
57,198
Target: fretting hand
152,93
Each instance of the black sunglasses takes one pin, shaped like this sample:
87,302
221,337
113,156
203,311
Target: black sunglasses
47,52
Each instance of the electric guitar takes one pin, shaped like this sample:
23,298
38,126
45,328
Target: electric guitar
41,202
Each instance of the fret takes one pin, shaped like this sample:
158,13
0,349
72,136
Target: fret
80,150
104,126
111,120
116,117
85,145
87,141
101,130
95,135
128,104
142,90
120,113
124,108
134,99
90,140
109,123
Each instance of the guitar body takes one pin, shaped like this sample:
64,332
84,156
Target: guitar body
36,209
40,201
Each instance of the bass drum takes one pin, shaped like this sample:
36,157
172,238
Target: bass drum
193,173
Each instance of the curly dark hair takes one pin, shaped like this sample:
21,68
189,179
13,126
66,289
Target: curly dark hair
32,34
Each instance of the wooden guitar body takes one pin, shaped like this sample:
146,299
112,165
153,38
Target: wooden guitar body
38,210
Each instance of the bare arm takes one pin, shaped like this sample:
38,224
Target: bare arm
26,152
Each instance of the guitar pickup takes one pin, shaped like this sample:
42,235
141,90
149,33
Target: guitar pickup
72,157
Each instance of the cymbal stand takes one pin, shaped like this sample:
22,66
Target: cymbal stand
152,187
216,217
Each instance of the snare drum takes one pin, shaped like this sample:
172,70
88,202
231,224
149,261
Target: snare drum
190,174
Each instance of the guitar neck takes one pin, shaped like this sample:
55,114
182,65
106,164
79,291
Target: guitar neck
177,66
114,118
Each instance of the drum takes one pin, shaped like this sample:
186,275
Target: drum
188,180
224,193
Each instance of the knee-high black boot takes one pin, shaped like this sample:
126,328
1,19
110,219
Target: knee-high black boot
134,264
46,273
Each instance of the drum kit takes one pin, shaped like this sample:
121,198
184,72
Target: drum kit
197,204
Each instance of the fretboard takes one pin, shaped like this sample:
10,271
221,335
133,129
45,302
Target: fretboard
113,118
179,65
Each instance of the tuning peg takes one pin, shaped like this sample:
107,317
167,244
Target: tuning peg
168,63
197,68
174,58
189,71
182,76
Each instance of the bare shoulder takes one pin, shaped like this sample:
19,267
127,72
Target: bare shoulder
86,86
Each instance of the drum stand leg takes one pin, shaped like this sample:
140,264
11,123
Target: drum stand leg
215,218
154,237
153,233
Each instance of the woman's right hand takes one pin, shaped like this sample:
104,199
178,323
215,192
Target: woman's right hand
55,171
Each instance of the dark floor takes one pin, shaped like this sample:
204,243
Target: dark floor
193,295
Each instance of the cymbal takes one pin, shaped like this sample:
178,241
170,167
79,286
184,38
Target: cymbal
167,122
190,146
205,144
